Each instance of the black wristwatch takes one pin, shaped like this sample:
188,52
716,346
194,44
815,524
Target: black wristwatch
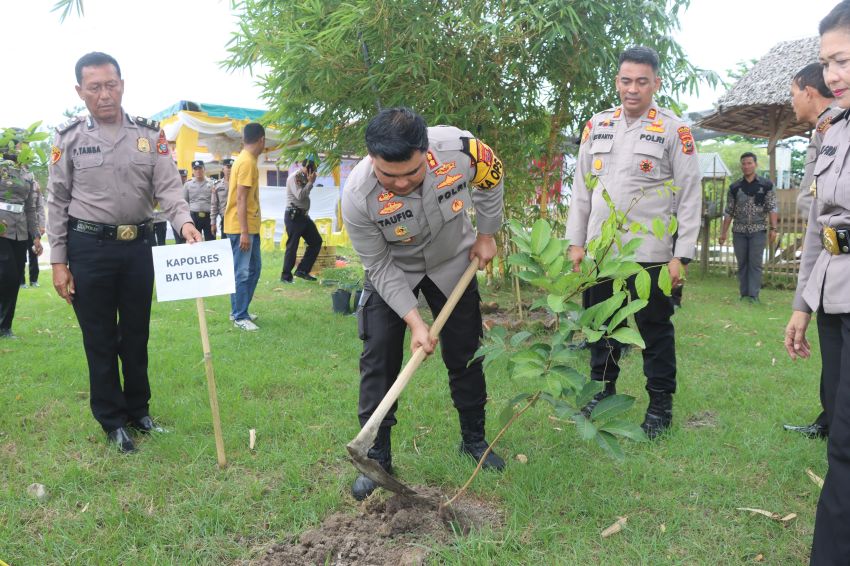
684,260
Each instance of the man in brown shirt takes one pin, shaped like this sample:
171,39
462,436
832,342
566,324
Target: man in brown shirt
106,170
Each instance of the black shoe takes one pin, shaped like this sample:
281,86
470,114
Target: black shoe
472,440
813,430
285,278
381,452
7,333
659,414
146,425
121,440
610,389
305,276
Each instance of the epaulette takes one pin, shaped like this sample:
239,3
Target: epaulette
840,117
152,124
69,124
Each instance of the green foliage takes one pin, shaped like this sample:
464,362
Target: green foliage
545,364
29,147
523,76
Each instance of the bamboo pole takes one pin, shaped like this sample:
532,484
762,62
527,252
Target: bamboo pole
205,342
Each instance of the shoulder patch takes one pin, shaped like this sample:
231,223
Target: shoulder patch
488,167
586,133
687,139
824,125
152,124
69,124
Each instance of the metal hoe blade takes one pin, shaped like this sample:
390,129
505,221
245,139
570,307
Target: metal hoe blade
373,470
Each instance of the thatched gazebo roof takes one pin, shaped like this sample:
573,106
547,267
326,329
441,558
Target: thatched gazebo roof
759,104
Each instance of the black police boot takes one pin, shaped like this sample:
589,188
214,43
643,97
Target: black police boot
610,389
472,439
659,414
363,486
814,430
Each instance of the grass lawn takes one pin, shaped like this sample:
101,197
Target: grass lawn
296,383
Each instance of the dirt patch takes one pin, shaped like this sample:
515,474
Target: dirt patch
392,530
705,419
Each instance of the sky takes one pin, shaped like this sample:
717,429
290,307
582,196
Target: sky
171,50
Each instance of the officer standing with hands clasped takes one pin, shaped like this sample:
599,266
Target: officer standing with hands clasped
299,224
198,193
404,206
18,227
218,206
106,170
632,150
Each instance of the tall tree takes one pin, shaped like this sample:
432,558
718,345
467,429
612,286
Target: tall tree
522,75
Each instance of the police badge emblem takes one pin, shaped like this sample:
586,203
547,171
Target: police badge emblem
143,145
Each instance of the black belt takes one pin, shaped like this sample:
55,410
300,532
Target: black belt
122,232
295,211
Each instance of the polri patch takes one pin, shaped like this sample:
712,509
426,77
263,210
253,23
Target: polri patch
390,207
401,231
385,196
445,168
449,181
162,144
647,165
143,145
687,140
457,205
55,155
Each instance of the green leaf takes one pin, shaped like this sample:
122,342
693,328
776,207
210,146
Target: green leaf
611,407
628,335
673,226
553,387
631,247
642,284
522,260
626,429
608,443
587,392
664,282
608,308
556,266
658,228
506,414
555,303
586,429
592,335
637,228
627,269
519,338
590,181
552,250
528,356
541,233
574,379
631,308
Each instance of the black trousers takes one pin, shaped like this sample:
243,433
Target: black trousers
382,332
32,260
299,226
114,287
831,545
656,329
159,230
203,224
13,256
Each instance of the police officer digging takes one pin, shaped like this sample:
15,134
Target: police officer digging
18,227
299,224
633,150
198,193
106,170
404,206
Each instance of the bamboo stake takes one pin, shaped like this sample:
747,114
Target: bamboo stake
205,342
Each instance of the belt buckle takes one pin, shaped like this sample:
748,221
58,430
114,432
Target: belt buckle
202,215
127,232
830,240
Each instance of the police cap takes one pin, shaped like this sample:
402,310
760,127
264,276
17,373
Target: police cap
183,172
198,164
227,162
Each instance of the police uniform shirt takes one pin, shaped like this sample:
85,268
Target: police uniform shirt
298,191
634,160
823,277
198,195
39,206
112,182
18,214
748,203
804,199
218,204
401,239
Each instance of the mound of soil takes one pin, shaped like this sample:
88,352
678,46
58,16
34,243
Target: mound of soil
387,531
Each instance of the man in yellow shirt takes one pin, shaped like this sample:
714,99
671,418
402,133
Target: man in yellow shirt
242,224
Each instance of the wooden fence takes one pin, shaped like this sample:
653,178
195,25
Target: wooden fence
782,259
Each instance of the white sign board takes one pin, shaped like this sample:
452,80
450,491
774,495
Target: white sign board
187,271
